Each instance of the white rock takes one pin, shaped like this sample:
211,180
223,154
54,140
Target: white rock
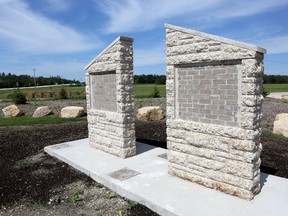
150,113
281,124
11,111
42,111
72,112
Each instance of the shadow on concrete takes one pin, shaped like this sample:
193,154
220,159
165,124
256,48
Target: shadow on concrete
263,179
142,148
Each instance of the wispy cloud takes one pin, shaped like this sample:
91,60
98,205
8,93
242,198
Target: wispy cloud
28,31
138,15
154,56
276,45
58,6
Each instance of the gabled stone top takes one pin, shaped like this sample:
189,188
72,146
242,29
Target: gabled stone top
120,38
217,38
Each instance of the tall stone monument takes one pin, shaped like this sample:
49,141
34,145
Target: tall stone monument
214,100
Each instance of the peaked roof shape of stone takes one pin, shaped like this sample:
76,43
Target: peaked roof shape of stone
217,38
123,38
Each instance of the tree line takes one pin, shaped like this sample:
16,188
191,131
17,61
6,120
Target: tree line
275,79
150,79
11,80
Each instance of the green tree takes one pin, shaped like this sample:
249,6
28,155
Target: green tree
63,93
156,92
18,97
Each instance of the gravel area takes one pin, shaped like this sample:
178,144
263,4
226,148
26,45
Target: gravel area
271,107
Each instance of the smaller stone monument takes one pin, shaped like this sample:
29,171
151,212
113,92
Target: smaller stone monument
110,99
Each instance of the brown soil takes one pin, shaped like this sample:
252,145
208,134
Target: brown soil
30,180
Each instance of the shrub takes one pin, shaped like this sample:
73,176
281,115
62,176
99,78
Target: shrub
156,92
265,93
63,93
18,97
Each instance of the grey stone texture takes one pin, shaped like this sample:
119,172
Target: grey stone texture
110,99
214,102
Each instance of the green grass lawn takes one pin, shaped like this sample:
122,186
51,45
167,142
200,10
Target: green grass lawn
141,91
145,90
5,93
276,87
28,120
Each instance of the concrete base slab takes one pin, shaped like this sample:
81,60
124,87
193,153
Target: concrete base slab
277,95
144,178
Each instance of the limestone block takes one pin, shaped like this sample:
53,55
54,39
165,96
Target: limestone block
11,111
42,111
150,113
72,112
281,124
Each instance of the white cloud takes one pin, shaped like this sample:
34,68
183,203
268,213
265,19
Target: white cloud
154,56
275,45
27,31
58,6
138,15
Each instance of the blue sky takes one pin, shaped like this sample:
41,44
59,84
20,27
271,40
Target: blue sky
60,37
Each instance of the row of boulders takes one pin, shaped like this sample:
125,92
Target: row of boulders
151,113
66,112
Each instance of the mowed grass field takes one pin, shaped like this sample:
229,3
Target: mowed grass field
141,90
276,87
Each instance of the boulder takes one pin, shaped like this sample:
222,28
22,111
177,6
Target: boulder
281,124
285,97
72,112
150,113
11,111
42,111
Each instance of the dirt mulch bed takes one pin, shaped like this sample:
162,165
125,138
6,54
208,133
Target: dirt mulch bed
31,180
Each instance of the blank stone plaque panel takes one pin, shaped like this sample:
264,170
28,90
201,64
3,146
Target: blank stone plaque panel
103,91
208,94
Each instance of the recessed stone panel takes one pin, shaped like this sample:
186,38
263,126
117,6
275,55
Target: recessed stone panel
208,94
103,91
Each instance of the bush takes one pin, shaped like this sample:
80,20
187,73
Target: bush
265,93
156,92
18,97
63,93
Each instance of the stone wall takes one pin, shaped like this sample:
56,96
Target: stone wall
110,99
214,101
